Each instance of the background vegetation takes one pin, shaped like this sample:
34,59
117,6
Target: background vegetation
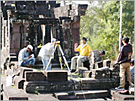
101,26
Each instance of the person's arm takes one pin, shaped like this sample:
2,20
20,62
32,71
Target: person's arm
76,47
90,50
120,56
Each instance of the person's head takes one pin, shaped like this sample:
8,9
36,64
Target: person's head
84,40
54,41
29,48
125,40
132,63
102,52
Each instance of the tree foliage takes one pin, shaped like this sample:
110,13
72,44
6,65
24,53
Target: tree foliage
101,26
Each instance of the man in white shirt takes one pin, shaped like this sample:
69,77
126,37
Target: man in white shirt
24,57
46,52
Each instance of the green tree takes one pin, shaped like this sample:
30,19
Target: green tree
101,26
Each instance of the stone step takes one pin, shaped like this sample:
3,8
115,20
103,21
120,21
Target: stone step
46,87
56,75
117,96
12,93
81,94
42,97
95,84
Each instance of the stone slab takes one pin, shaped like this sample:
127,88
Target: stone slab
42,97
117,96
45,86
12,93
98,64
18,82
56,75
90,94
34,76
87,74
23,70
107,63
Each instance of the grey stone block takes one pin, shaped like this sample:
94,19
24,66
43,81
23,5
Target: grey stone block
34,76
23,70
56,75
11,93
18,82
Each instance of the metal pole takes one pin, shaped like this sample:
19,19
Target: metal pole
120,25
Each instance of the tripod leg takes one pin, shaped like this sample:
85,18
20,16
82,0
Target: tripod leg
64,59
50,59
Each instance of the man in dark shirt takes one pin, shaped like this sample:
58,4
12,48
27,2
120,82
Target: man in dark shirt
124,61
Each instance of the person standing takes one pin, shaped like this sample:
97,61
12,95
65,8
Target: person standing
46,52
85,52
24,57
124,61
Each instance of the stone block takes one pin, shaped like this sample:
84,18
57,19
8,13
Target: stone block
87,74
11,93
45,86
81,70
23,70
56,75
34,76
117,96
107,63
100,73
98,64
90,94
18,82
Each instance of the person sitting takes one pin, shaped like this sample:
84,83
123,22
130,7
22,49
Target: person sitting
132,69
96,56
46,52
24,57
85,52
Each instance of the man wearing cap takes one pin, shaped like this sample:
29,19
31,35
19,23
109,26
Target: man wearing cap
85,52
46,52
24,57
124,61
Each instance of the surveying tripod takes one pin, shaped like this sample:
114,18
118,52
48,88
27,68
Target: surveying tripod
60,58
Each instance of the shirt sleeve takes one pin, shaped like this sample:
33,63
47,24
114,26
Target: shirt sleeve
78,48
90,49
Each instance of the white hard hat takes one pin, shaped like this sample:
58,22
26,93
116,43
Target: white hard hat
30,47
53,40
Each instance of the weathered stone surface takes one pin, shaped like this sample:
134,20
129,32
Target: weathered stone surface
87,74
100,73
81,94
89,94
18,82
11,93
23,70
42,97
81,70
107,63
98,64
45,86
117,96
34,76
56,75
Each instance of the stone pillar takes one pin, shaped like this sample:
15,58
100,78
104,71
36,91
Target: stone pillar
8,31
